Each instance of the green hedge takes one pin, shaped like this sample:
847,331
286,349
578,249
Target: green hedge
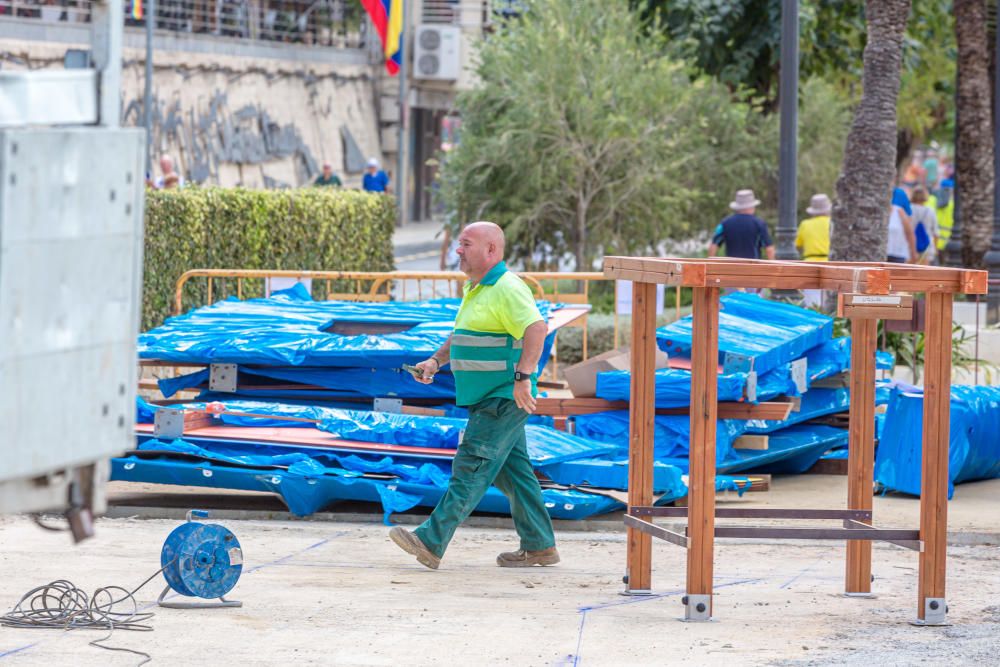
223,228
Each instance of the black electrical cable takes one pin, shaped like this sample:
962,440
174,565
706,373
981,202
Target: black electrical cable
62,605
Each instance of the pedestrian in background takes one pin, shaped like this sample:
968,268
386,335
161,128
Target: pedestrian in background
328,177
813,241
375,180
743,234
925,225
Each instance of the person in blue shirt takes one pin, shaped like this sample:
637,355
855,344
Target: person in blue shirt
902,200
743,233
375,180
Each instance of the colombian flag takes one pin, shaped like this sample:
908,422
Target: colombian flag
137,10
387,15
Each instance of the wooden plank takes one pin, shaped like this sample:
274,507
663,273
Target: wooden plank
641,414
701,479
934,463
828,467
861,449
877,307
770,410
751,441
838,381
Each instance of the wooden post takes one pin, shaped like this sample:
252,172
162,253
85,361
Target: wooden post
701,479
934,468
642,410
861,449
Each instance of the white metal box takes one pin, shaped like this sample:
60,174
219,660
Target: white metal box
437,52
71,203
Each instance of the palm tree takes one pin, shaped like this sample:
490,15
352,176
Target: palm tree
974,125
861,213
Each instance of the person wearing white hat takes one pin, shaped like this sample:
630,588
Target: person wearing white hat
743,233
813,240
375,180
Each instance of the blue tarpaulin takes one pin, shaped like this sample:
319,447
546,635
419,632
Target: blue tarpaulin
672,433
545,444
769,332
290,329
314,487
973,443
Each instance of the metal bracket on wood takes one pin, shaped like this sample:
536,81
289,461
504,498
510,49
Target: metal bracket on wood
912,545
697,607
168,423
935,612
734,362
800,374
656,531
222,378
394,405
751,390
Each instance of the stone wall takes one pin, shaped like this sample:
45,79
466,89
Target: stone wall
252,121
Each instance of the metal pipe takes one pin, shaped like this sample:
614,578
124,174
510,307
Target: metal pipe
147,98
788,93
404,112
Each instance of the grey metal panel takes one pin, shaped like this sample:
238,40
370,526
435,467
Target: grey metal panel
48,97
70,272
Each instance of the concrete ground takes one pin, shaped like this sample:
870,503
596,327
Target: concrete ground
340,593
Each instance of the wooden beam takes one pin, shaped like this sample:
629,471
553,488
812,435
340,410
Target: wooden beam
641,429
560,407
875,306
934,463
751,441
861,449
701,480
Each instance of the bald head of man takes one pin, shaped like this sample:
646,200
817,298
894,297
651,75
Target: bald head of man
480,248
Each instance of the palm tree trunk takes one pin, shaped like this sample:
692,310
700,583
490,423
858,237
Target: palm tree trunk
974,122
864,189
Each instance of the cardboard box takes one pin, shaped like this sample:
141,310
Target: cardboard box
582,377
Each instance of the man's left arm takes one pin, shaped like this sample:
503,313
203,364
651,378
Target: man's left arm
534,339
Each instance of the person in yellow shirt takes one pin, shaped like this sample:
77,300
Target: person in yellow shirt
813,241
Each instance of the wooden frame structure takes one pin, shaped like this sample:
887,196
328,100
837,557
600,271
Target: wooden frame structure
873,293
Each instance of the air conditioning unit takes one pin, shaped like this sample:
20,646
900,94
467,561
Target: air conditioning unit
437,52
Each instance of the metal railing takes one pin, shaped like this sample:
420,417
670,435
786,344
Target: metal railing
335,23
569,288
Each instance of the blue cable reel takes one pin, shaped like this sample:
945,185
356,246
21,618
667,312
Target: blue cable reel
201,560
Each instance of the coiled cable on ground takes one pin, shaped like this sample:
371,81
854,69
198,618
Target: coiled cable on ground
62,605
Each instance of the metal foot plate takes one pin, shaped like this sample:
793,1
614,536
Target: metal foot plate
935,613
697,607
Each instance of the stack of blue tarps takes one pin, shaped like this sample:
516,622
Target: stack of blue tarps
289,338
767,339
310,478
768,332
973,442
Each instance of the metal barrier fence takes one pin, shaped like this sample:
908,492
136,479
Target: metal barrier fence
569,288
335,23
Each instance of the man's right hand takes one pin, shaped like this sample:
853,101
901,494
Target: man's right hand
430,368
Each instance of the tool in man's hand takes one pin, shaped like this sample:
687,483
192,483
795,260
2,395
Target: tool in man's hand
417,373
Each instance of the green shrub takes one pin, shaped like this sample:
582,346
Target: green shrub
314,229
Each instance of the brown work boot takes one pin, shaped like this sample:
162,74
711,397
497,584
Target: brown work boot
411,544
522,558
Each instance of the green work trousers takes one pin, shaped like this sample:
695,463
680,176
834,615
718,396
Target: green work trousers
493,451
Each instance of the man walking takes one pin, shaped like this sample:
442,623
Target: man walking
813,241
743,233
328,178
374,180
494,354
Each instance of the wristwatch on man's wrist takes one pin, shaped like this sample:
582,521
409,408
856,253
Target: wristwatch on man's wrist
521,377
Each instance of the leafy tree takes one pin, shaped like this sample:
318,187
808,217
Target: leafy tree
860,214
583,137
739,41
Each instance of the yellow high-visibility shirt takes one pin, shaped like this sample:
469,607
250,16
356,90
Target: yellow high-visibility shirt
813,239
